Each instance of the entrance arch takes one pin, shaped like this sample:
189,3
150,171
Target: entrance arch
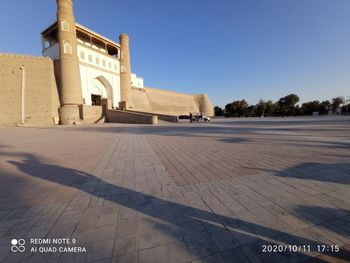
100,86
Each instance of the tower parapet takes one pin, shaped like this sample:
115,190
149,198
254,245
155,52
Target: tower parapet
125,71
69,74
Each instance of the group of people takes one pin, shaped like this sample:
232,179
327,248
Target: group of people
198,117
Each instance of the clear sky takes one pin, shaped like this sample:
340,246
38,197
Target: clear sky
230,49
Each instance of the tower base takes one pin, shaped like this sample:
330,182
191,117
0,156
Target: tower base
69,115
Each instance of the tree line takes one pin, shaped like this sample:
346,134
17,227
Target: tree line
285,106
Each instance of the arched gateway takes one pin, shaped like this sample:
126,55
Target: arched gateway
100,89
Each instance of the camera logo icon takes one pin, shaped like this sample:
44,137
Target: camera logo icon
18,245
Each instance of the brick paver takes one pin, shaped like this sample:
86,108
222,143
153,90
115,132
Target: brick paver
201,192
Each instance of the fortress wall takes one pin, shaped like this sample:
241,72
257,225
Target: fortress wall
91,114
168,102
41,96
140,100
118,116
204,104
163,101
172,103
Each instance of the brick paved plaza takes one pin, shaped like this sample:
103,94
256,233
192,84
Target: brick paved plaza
201,192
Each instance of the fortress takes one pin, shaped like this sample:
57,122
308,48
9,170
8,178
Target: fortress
83,77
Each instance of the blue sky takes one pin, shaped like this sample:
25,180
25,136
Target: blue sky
230,49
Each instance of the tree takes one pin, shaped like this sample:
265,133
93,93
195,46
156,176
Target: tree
251,111
297,111
236,108
232,108
260,108
265,108
242,109
345,109
286,105
325,106
229,109
310,107
336,102
218,111
270,108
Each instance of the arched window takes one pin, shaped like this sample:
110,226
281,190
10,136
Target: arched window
82,55
65,26
47,44
97,61
67,48
90,58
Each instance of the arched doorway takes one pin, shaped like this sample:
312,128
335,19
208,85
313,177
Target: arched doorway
101,89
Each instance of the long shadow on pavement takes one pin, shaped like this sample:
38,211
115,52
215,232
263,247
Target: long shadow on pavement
324,172
228,236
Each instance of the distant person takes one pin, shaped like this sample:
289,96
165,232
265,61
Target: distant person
190,117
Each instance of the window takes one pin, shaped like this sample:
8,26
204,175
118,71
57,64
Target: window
65,26
104,63
47,44
110,64
97,61
90,58
82,55
67,48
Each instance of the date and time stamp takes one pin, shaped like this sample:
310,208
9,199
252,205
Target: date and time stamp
320,248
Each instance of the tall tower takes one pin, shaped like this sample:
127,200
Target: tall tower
125,71
70,85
